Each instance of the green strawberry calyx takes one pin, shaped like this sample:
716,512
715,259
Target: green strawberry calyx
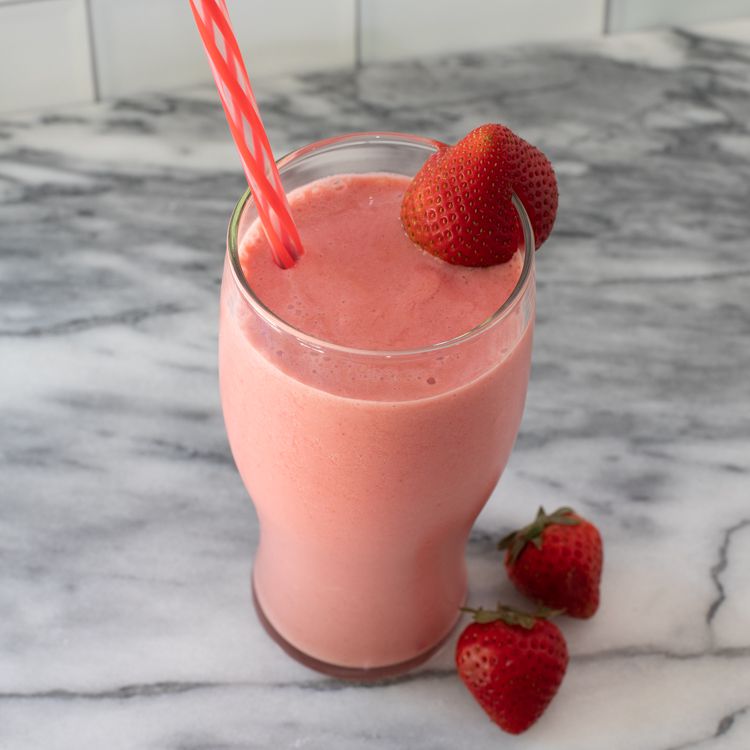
510,616
516,541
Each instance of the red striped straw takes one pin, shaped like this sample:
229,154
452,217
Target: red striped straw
241,109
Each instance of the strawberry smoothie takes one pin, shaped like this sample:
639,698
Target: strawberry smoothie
368,435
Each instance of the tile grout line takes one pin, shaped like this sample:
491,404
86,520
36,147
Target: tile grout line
607,20
92,51
357,34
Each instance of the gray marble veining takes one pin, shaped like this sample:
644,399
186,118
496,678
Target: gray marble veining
126,536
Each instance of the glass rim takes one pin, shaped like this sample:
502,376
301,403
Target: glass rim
320,344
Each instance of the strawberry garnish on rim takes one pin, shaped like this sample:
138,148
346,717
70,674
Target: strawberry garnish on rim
458,206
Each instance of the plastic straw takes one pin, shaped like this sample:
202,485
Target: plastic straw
241,109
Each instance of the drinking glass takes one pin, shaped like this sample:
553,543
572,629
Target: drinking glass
367,468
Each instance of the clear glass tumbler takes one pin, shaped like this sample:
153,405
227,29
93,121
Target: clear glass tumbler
367,468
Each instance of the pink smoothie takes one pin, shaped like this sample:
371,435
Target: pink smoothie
362,282
367,471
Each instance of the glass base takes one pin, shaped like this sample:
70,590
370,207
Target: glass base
352,674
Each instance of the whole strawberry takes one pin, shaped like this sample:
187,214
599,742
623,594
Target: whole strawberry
557,560
512,663
458,206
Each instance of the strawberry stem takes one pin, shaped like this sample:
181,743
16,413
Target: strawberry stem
516,541
510,616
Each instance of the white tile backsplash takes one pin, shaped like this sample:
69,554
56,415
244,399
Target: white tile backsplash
629,15
45,57
144,45
394,29
284,36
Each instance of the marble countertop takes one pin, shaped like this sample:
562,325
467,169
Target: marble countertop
126,536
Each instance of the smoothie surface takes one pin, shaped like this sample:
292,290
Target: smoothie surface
362,282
